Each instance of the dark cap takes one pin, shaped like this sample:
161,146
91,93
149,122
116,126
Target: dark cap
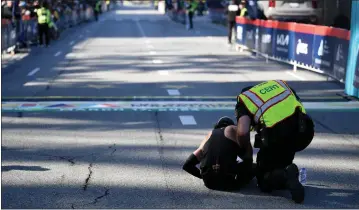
223,122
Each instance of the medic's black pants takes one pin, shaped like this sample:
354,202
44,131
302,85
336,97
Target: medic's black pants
43,30
271,163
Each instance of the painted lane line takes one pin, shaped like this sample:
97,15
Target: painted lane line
72,43
157,61
148,41
187,120
173,92
141,29
153,53
163,72
296,76
150,46
33,72
58,53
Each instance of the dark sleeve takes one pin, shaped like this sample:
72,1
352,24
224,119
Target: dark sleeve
190,166
242,110
295,93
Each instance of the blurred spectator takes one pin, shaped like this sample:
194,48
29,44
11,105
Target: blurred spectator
6,9
200,8
341,21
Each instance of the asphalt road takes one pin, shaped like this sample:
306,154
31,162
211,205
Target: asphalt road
131,159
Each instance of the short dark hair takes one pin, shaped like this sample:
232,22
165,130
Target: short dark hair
223,122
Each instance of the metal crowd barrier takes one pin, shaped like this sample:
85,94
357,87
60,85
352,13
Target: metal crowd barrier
321,49
12,39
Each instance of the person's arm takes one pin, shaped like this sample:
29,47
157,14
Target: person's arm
243,137
190,165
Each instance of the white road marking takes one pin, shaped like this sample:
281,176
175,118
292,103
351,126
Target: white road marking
58,53
173,92
72,43
187,120
141,29
148,41
163,72
150,46
176,105
296,76
157,61
33,72
153,53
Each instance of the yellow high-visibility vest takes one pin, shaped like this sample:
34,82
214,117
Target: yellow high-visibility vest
270,102
243,12
43,15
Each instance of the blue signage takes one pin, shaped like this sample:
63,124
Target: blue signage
283,44
240,29
303,48
340,58
323,53
250,34
266,40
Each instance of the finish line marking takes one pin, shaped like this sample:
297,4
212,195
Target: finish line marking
59,106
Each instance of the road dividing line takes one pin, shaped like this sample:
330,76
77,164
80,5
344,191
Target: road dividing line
157,61
153,53
187,120
296,76
58,53
163,72
72,43
173,92
141,29
33,72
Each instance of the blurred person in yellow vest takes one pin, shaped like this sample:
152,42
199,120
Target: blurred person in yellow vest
190,10
43,19
108,4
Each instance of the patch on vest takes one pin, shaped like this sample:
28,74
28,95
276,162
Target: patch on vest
268,89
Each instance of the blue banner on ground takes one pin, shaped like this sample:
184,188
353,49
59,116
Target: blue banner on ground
283,41
340,58
323,53
303,48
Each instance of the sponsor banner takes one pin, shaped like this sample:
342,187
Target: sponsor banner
266,38
303,40
340,58
241,38
250,35
323,53
283,44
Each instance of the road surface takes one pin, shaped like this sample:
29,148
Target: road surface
87,157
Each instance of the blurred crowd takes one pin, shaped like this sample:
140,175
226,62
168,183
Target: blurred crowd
25,10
